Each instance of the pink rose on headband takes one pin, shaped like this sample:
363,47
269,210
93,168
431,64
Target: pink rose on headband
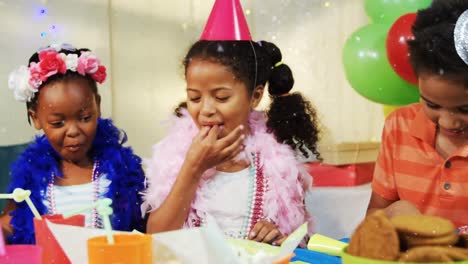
87,63
35,75
26,80
51,63
100,75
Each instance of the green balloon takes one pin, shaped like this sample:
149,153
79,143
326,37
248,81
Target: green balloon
369,72
387,11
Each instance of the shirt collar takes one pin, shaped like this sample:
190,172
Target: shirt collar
423,128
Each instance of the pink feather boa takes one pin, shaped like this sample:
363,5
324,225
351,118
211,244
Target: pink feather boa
287,178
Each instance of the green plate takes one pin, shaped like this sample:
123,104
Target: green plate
349,259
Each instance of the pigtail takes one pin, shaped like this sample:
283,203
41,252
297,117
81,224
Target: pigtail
291,117
294,121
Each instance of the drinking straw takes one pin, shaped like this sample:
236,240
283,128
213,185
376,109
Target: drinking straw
20,195
103,208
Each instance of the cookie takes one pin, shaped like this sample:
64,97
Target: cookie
423,225
424,254
434,254
457,254
462,241
375,238
415,241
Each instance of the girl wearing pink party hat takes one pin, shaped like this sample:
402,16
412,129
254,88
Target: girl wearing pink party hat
223,158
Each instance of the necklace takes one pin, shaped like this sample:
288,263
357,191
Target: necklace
95,223
257,189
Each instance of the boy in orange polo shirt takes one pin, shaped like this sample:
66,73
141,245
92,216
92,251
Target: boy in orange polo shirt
423,161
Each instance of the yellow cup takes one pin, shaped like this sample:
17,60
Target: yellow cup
127,249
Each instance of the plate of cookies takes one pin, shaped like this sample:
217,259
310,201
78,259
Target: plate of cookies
401,239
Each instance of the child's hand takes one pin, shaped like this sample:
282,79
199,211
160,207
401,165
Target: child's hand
207,151
266,232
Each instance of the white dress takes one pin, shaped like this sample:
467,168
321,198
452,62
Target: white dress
226,199
74,197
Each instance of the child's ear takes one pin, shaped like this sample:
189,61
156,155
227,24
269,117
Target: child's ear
35,119
257,96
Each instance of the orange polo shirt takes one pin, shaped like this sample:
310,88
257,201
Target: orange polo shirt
409,168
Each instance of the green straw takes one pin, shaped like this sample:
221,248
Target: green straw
20,195
103,208
6,196
33,208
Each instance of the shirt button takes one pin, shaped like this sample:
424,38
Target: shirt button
448,164
447,186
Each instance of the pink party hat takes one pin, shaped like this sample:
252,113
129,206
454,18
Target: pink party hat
226,22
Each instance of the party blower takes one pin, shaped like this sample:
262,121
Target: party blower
116,248
15,254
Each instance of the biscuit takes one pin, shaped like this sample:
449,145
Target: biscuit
462,241
423,225
456,253
415,241
424,254
375,238
434,254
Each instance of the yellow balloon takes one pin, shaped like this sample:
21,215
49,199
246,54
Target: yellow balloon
388,109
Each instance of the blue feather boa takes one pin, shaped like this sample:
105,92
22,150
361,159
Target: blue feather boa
35,166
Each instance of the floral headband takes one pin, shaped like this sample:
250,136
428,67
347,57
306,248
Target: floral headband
25,81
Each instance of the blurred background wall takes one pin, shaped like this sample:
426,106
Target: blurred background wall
143,42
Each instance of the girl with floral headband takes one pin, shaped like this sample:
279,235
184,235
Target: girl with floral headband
80,157
224,159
